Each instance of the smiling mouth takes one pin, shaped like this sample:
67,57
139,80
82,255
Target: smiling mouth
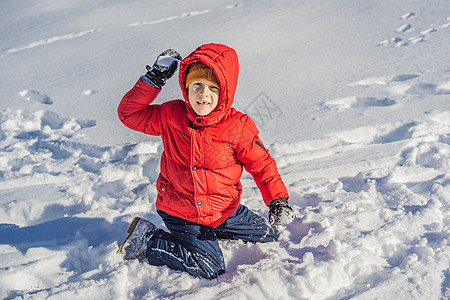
203,103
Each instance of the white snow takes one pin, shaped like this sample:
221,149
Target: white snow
351,98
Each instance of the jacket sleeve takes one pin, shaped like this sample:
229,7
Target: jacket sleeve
135,110
258,162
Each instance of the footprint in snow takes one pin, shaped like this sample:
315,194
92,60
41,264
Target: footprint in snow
402,84
89,92
404,28
53,39
408,15
446,25
423,88
384,80
171,18
418,36
403,77
422,37
358,102
371,101
181,16
35,96
234,6
395,41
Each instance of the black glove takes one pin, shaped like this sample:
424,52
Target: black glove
280,213
164,67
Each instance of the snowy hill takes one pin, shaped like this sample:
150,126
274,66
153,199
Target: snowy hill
351,98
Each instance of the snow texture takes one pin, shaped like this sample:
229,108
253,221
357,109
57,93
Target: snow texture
351,98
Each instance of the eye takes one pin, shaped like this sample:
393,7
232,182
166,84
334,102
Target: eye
214,88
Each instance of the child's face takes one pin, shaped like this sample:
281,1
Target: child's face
203,96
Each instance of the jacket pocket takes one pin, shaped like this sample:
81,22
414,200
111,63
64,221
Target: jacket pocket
162,188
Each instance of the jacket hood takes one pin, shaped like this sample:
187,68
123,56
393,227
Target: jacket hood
223,60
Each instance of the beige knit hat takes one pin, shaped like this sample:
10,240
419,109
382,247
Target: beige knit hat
198,71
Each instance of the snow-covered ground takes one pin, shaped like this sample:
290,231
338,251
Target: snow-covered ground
351,97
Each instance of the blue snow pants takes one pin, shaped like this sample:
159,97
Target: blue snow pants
194,248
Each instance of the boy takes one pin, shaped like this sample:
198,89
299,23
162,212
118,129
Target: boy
206,145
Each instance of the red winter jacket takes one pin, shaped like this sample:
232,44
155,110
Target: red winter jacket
203,155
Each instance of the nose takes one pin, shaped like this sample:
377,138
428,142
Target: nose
204,91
